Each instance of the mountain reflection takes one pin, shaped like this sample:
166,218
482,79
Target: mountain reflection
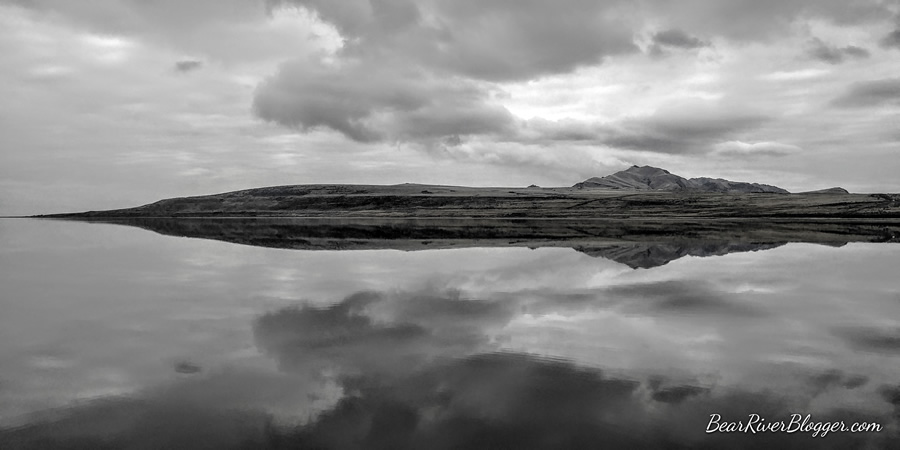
646,256
635,243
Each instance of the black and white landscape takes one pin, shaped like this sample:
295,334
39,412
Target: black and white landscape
405,224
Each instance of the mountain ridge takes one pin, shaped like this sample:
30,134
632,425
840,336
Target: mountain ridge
654,178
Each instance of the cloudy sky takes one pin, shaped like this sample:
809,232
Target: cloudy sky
114,103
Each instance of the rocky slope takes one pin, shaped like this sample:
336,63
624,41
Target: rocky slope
654,178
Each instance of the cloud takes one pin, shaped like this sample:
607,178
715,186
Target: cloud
677,127
188,65
684,127
433,54
870,93
678,394
678,297
234,31
892,40
380,333
755,149
762,20
527,39
378,102
796,75
673,39
538,129
677,38
531,158
834,378
227,409
891,394
871,339
831,54
498,400
420,71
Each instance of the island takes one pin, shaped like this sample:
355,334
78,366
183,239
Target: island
641,216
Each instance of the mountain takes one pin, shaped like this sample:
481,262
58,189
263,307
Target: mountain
834,190
654,178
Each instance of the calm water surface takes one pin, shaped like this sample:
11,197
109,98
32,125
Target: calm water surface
117,337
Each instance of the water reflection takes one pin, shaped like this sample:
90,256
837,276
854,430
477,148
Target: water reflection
637,243
126,339
493,400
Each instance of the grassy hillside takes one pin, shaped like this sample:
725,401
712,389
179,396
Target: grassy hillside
410,200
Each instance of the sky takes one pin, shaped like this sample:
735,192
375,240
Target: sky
117,103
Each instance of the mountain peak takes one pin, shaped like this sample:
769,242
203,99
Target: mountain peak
646,170
653,178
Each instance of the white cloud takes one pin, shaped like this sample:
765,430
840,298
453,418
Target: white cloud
797,75
755,149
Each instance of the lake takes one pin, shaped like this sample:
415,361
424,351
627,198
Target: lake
118,337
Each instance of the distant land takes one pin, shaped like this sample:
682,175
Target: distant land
642,217
641,193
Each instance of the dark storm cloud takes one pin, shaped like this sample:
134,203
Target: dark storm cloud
378,102
892,40
831,54
870,93
188,65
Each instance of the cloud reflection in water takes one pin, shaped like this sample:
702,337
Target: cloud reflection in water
463,348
